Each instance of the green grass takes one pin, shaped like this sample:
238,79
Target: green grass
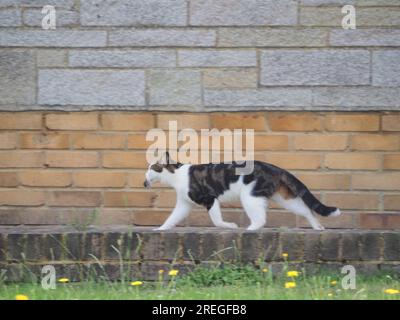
228,282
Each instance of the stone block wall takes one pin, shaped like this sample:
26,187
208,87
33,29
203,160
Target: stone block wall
192,55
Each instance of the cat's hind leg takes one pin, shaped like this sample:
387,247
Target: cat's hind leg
216,217
255,208
297,206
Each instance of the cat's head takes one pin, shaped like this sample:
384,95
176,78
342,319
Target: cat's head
161,171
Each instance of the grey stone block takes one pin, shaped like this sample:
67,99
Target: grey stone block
386,68
325,2
392,246
52,38
171,87
117,58
172,250
312,247
38,3
162,38
315,67
243,12
133,12
89,87
371,246
51,58
268,97
217,58
357,98
351,246
260,37
17,77
365,37
250,247
10,18
270,246
292,243
64,18
329,246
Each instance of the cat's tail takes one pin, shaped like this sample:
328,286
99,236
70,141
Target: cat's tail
299,189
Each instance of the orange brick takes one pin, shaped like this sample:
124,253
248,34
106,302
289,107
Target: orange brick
166,199
121,159
21,159
127,121
352,122
20,120
195,121
8,140
391,122
294,160
391,161
21,198
129,199
353,200
270,142
138,141
325,181
151,217
44,141
71,159
101,179
72,121
375,142
8,179
98,141
391,202
294,122
349,161
373,221
320,142
118,216
74,199
36,178
255,121
393,221
376,181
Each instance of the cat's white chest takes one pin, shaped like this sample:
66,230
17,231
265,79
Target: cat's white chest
233,193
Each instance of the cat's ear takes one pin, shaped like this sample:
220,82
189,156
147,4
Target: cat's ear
165,159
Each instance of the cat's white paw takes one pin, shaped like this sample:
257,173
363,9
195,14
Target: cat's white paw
161,229
231,225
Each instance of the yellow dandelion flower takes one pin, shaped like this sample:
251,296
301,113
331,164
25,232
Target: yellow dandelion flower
161,271
392,291
290,284
136,283
333,282
21,297
173,272
330,294
264,270
63,280
285,255
293,274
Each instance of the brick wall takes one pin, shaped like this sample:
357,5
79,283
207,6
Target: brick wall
57,167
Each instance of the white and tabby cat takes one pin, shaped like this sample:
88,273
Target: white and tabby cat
211,184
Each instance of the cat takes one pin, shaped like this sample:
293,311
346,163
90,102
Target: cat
209,185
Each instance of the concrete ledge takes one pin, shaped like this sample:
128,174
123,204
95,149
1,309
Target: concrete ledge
135,252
